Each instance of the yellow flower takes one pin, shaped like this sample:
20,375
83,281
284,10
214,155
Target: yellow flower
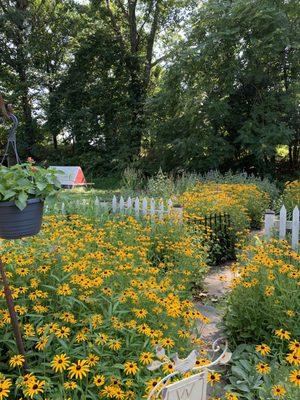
140,313
152,383
70,385
278,391
130,368
168,342
79,369
92,360
16,361
5,385
295,377
262,368
99,380
33,388
213,377
63,332
293,358
263,349
295,346
60,362
114,344
146,358
42,343
168,368
231,396
282,334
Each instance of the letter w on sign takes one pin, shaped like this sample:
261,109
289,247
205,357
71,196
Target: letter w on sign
191,388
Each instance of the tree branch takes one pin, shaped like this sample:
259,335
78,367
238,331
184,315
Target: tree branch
114,24
150,42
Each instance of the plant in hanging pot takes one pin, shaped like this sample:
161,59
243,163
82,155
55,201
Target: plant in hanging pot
23,189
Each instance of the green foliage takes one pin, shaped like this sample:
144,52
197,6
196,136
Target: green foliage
25,181
265,296
131,179
291,195
230,96
249,383
160,185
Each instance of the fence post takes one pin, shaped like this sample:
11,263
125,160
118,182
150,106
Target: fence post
122,204
295,228
282,223
114,204
152,208
170,205
144,206
129,205
137,207
269,222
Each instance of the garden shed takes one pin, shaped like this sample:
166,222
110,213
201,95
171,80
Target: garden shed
70,177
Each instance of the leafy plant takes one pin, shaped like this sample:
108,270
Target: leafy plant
265,295
26,181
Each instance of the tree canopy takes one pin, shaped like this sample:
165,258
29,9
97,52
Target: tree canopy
172,84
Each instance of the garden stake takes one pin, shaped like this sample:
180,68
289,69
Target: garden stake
13,315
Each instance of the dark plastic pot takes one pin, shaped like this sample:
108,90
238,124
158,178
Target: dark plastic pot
15,224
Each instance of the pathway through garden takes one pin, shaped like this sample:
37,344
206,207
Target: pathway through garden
216,285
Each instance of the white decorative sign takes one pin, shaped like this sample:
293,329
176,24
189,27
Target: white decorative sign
191,388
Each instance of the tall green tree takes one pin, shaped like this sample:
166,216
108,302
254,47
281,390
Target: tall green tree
35,38
231,95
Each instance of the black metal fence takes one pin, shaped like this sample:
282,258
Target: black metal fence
220,235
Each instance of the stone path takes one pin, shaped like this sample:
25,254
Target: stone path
216,285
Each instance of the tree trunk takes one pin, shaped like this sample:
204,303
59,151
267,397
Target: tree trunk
21,69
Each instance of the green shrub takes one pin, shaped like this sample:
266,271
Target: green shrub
265,296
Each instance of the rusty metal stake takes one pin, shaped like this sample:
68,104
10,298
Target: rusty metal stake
13,315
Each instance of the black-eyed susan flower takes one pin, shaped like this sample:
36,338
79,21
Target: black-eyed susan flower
16,361
168,368
146,358
263,349
130,368
293,358
152,383
70,385
92,360
34,388
99,380
5,385
295,377
213,377
294,346
283,334
168,342
79,369
262,368
114,344
231,396
278,391
60,362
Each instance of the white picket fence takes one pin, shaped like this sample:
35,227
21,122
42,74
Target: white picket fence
143,207
281,226
137,207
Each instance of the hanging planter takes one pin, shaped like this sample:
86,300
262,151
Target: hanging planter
16,223
23,189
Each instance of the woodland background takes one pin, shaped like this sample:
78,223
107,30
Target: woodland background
171,84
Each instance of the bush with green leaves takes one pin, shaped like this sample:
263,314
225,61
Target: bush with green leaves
27,181
265,296
253,376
